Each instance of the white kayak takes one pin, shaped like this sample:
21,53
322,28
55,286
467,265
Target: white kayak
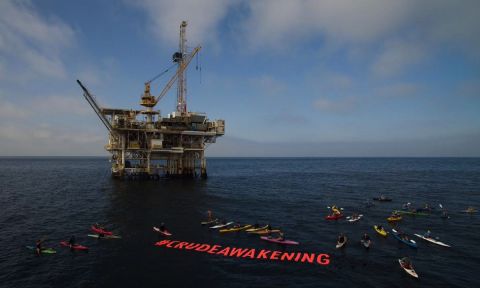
410,270
341,244
104,237
351,219
432,240
221,225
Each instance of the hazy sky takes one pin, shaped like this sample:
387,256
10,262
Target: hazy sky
295,78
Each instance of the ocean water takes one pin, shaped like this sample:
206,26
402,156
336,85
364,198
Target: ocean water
54,198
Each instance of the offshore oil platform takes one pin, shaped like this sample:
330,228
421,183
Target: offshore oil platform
144,144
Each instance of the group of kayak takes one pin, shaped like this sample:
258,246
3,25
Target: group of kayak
99,232
366,241
266,232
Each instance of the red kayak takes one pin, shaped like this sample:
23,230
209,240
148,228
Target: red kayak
75,247
279,241
101,231
334,217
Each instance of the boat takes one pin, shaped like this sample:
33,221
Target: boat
431,240
74,247
235,229
265,231
257,229
164,232
279,240
413,213
43,250
221,225
101,231
334,216
382,231
354,219
407,268
402,237
394,218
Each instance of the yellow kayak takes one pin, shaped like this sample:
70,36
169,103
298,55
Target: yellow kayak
380,231
257,229
235,229
394,218
264,232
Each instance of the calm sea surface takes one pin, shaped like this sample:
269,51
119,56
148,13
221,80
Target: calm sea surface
54,198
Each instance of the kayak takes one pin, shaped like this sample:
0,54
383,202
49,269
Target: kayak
334,217
209,222
74,247
410,270
469,211
409,242
380,231
279,241
164,232
264,232
221,225
431,240
101,231
351,219
43,250
104,237
235,229
256,229
413,213
341,244
366,243
382,199
394,219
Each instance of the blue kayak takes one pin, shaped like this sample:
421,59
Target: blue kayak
407,241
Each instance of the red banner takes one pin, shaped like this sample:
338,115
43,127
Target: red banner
304,257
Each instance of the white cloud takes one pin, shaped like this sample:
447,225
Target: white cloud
396,57
31,45
342,105
398,90
202,17
268,85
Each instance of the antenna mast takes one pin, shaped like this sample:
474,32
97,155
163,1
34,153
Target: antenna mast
179,57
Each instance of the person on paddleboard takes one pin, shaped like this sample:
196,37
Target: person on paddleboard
427,234
38,246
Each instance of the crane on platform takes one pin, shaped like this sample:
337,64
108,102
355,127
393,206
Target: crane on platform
91,100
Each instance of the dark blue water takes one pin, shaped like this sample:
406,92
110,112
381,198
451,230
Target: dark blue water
55,198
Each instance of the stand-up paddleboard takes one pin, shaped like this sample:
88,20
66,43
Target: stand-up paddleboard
431,240
221,225
279,241
164,232
409,270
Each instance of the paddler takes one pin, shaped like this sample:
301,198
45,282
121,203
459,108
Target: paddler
38,246
341,238
71,242
406,263
209,215
281,236
162,227
427,234
366,237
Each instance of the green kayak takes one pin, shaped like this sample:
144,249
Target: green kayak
44,250
412,213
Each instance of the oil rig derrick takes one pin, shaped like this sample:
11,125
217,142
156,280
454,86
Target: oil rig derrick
143,144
